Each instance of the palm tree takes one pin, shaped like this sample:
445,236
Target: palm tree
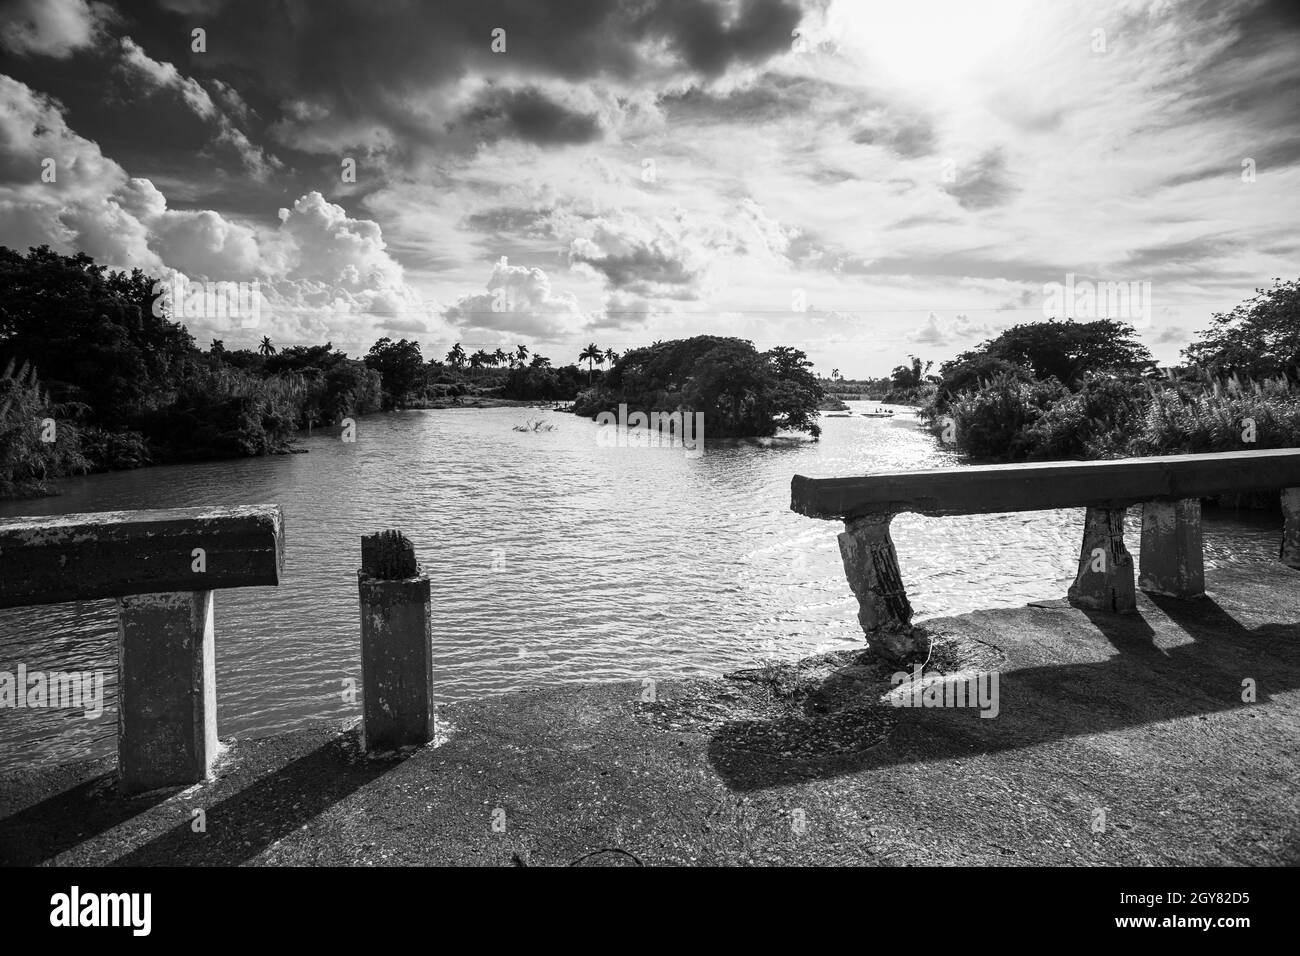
266,348
478,359
498,358
540,361
835,374
611,356
217,346
456,357
521,353
591,355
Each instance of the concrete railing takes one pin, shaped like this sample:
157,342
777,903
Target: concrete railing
161,567
1168,488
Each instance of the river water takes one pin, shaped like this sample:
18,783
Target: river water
554,558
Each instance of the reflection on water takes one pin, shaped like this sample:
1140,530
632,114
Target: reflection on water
554,560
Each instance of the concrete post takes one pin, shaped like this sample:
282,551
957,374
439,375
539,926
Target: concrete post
1173,561
396,645
167,690
1291,528
871,566
1105,578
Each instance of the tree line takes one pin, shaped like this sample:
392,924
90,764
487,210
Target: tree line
1076,390
93,376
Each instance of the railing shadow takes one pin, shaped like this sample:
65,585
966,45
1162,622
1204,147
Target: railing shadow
246,823
56,824
234,830
1142,684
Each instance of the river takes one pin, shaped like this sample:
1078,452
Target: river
554,560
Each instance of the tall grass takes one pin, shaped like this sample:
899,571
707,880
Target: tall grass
1219,415
38,440
1010,419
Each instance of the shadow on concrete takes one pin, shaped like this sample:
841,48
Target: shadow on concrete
247,822
62,821
1142,684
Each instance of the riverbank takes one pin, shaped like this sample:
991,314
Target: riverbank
41,490
1116,741
483,401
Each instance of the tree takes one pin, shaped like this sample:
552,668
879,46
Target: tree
266,348
741,391
217,347
835,375
1260,338
456,357
400,366
1067,351
521,353
478,359
910,376
611,356
96,338
591,355
498,358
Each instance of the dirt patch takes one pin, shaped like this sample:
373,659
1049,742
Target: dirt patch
826,706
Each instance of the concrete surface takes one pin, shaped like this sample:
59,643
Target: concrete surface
1140,718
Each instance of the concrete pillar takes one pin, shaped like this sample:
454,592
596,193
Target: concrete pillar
396,645
1173,561
167,690
871,565
1291,527
1105,578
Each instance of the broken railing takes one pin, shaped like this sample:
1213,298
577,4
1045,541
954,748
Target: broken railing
161,567
1168,488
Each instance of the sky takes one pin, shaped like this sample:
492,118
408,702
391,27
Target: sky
860,180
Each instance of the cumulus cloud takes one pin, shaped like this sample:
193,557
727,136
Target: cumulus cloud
651,257
53,28
321,271
940,332
518,300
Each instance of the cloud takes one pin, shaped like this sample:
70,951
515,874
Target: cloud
626,311
906,136
157,76
322,271
519,301
643,257
351,74
53,28
982,184
939,332
528,114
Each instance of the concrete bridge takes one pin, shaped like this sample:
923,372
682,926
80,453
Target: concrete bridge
162,568
1106,716
1169,489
